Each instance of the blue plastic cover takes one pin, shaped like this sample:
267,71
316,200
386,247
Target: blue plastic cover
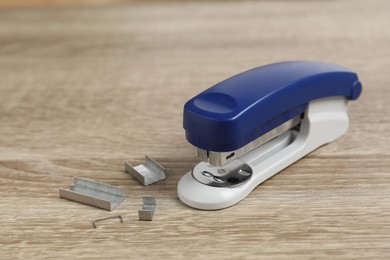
240,109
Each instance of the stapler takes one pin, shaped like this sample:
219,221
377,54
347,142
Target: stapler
251,126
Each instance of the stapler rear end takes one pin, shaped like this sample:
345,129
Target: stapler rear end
251,126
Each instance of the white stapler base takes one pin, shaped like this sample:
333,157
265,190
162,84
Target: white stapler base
325,120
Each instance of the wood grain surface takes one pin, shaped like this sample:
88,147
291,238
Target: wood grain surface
59,3
84,89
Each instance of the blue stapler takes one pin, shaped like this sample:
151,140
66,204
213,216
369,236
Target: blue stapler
251,126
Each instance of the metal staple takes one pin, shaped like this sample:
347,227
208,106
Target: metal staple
102,219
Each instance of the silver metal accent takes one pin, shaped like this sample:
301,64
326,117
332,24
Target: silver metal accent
102,219
94,193
203,155
222,158
231,175
147,173
148,208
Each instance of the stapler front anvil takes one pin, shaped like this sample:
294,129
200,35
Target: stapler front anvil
251,126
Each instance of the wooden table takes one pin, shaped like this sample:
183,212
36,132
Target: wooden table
84,89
